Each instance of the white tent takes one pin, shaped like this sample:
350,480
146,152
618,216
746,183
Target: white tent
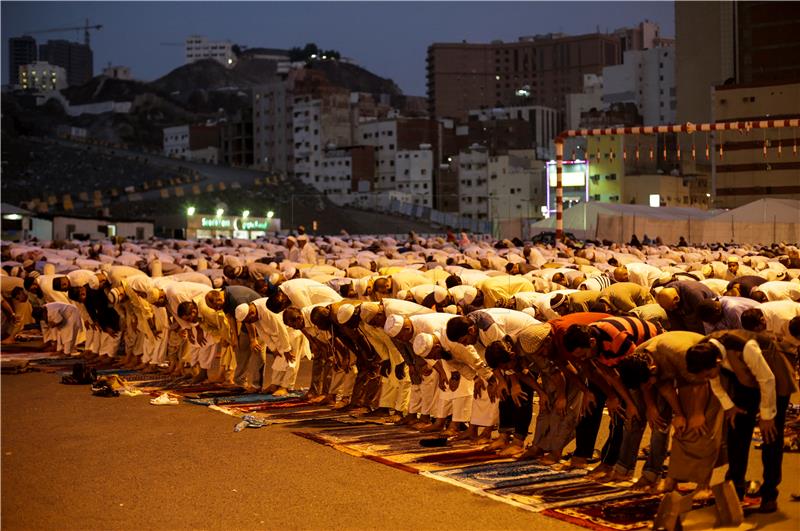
760,222
618,222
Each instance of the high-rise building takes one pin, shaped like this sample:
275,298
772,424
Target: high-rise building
75,58
539,70
727,50
21,51
768,42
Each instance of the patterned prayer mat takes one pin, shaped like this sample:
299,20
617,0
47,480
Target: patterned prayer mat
616,515
399,447
498,476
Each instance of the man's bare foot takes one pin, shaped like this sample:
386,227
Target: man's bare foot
270,389
280,391
644,484
666,485
469,434
616,476
514,449
702,492
501,442
420,425
534,452
392,419
578,462
451,431
317,399
550,459
408,420
600,471
436,426
485,438
378,413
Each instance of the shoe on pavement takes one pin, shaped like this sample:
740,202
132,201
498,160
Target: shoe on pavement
164,399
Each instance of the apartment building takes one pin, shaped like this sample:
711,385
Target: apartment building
320,121
591,97
543,128
199,47
760,163
236,139
538,70
391,136
192,142
41,75
647,79
414,174
273,148
473,182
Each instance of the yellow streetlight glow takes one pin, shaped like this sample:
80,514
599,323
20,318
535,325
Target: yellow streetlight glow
220,212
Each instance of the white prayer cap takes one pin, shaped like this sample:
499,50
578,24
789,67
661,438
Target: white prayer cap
393,325
369,310
289,273
291,238
237,270
153,295
274,278
451,309
464,293
440,294
423,344
345,313
241,311
216,282
402,294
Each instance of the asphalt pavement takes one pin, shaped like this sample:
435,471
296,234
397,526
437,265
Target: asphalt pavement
74,461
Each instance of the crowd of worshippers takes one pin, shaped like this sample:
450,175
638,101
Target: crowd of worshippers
455,336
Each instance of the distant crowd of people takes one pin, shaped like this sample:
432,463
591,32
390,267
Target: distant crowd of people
455,336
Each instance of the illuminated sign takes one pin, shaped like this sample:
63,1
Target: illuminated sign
231,223
573,173
215,223
251,224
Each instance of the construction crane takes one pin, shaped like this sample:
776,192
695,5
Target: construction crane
86,27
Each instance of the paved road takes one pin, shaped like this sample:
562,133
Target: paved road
74,461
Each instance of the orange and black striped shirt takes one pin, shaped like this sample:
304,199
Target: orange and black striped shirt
618,337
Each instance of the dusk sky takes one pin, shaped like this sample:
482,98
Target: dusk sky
388,38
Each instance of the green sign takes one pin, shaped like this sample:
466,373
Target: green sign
252,224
